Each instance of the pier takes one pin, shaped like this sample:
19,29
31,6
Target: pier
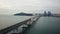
19,28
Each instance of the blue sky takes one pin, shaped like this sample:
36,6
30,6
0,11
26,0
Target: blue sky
29,6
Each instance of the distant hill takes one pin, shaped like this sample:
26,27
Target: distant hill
23,14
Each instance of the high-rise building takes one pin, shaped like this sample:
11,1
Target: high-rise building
45,14
49,13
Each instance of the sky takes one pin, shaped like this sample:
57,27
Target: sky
29,6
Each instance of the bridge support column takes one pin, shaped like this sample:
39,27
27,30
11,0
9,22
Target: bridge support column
15,31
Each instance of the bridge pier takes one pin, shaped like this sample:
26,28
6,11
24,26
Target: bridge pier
26,25
29,23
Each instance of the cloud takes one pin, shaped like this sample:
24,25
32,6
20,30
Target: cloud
3,5
29,5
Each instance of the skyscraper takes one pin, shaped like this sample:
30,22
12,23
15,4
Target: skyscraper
45,14
49,13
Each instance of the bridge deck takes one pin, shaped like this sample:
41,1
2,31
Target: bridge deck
7,21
